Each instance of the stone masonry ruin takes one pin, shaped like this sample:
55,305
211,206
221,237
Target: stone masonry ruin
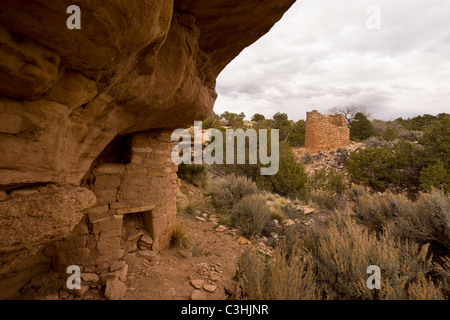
324,132
145,186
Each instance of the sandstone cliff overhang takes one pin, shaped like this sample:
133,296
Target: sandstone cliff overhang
135,65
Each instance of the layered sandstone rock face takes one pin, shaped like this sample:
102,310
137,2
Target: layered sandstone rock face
325,132
70,98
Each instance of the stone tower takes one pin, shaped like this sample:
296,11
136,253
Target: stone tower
324,133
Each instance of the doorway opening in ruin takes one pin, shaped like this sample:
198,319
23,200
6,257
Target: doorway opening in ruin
118,151
135,234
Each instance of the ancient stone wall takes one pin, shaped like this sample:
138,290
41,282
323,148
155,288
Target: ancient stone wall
325,132
145,186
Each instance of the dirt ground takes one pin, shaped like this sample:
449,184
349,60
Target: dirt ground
212,258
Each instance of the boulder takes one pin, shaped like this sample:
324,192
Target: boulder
147,254
89,277
197,283
115,289
210,288
30,222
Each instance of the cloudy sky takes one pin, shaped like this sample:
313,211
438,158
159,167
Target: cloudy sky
322,54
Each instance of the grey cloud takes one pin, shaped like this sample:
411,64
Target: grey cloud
321,54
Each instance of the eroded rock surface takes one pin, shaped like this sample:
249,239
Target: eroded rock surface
30,219
134,66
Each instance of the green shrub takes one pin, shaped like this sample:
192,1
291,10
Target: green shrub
372,166
420,123
252,215
336,181
258,117
209,123
234,120
290,181
327,181
435,176
389,134
195,174
409,160
385,167
229,190
296,135
437,139
361,128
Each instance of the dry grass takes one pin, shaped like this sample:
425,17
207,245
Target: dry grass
355,191
343,251
179,238
279,207
322,199
278,278
443,273
277,214
331,263
426,220
228,220
192,207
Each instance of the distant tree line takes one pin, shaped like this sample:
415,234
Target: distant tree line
290,131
